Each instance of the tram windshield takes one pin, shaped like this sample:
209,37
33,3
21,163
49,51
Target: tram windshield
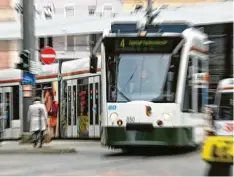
148,77
142,68
225,107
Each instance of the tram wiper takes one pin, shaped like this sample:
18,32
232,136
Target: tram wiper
163,98
122,94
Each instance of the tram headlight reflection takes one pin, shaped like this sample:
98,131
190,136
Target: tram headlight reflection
114,116
166,116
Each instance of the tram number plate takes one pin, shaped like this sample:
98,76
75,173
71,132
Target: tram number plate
222,151
130,119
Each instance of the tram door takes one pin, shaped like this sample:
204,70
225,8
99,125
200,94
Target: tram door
71,108
6,110
94,106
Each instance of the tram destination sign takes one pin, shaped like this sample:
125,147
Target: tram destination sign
141,44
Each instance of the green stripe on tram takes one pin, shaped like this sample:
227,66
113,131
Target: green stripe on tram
118,136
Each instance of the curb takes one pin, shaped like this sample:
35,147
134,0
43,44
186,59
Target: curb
38,151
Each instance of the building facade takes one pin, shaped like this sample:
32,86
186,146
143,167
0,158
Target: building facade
6,14
66,46
129,5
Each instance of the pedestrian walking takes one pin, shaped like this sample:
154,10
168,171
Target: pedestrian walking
37,115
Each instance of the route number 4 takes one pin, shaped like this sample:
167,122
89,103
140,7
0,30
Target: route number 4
122,43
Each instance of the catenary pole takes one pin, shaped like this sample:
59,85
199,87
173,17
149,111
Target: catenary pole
28,43
149,5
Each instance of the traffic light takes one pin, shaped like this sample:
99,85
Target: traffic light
25,61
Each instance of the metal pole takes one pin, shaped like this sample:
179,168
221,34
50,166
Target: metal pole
149,5
28,42
60,90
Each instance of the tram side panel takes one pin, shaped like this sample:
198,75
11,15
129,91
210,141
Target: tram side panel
81,106
10,111
81,110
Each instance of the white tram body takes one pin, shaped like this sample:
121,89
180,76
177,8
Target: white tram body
170,112
223,121
11,96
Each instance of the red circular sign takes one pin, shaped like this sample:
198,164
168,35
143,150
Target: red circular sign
48,55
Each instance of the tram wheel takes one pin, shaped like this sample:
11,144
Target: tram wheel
219,169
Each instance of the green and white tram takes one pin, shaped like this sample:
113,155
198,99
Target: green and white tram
154,86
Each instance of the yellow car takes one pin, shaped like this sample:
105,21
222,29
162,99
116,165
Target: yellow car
218,149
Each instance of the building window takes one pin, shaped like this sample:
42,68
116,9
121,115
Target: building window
69,10
92,10
82,43
107,8
70,43
59,44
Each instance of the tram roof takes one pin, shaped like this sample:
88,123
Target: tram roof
79,66
218,12
51,69
10,74
74,67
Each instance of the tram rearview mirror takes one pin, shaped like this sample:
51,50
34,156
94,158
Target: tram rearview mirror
174,61
93,63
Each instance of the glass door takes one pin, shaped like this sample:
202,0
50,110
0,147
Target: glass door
94,106
6,111
71,108
91,107
97,106
83,107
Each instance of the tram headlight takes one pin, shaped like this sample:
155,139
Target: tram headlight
166,116
114,116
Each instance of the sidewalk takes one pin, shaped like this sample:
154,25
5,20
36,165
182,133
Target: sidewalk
55,147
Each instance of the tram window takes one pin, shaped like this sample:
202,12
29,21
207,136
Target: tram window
91,103
15,103
225,106
100,96
82,99
7,108
97,104
199,99
188,89
74,104
38,90
69,105
202,93
64,107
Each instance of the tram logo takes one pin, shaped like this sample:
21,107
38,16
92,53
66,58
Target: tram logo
112,107
229,127
148,110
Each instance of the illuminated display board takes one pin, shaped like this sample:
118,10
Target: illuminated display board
141,44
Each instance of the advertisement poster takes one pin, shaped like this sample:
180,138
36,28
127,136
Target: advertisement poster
83,118
50,99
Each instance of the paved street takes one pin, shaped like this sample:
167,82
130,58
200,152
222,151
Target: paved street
92,159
